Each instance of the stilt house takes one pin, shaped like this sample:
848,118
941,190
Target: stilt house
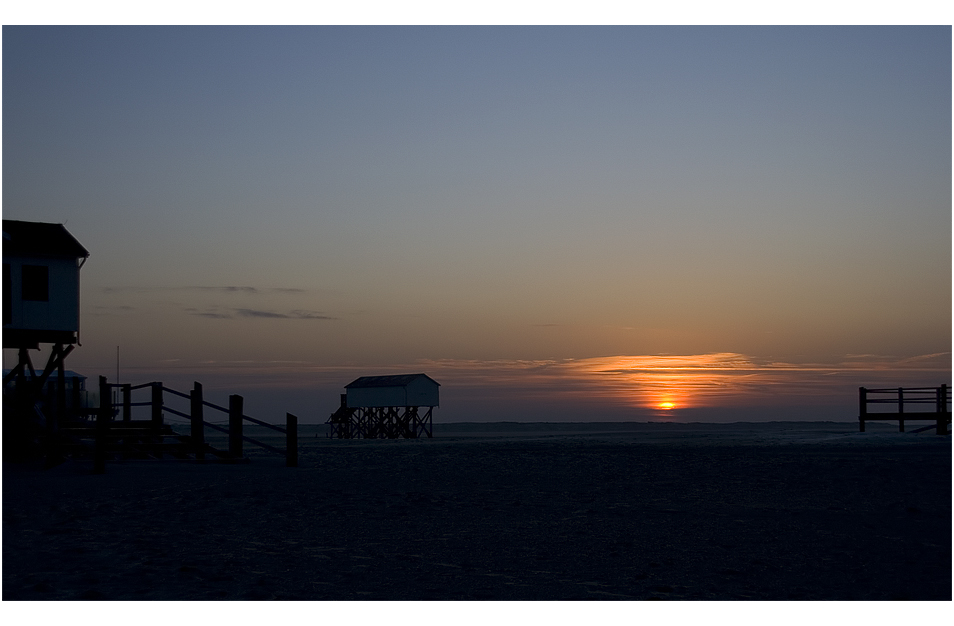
387,407
400,391
41,286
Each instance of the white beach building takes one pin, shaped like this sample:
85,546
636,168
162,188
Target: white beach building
41,284
398,391
387,407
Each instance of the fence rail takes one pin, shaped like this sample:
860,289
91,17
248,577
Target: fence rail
939,397
261,423
109,411
173,391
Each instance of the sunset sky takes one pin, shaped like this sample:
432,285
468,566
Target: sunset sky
555,223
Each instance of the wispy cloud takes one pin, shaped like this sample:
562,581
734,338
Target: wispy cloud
226,289
126,289
246,289
211,315
291,315
100,309
232,313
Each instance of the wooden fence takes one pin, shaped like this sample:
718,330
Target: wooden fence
117,417
936,399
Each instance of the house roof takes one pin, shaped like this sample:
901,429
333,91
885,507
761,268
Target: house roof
40,239
400,380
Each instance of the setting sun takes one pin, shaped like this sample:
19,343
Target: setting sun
666,405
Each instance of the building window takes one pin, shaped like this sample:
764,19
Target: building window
36,283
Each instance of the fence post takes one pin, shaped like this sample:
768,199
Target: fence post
901,409
198,432
236,411
102,417
291,442
77,397
60,392
863,407
127,402
942,410
53,421
157,406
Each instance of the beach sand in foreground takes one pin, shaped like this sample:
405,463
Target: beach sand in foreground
781,511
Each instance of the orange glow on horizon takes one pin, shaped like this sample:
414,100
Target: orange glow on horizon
667,382
677,383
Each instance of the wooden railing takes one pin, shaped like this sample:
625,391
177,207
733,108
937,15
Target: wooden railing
120,413
936,399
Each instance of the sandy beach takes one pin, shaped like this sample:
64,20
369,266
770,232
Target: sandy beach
771,511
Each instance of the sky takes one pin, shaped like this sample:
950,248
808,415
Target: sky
555,223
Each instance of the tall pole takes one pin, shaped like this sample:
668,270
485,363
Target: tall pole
117,372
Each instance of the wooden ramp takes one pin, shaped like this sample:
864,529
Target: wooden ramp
109,432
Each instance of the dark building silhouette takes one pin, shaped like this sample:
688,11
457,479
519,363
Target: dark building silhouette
389,407
41,298
41,284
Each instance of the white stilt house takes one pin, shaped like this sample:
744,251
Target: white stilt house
41,296
387,407
41,285
402,390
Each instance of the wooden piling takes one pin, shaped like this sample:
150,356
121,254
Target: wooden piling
102,419
291,440
127,402
236,411
59,415
60,392
77,397
863,408
942,410
198,430
900,409
156,406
